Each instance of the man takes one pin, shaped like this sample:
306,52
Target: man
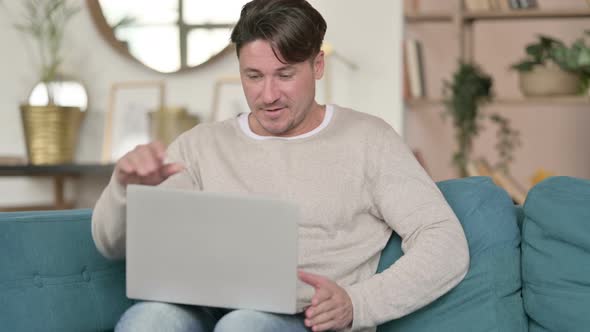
351,174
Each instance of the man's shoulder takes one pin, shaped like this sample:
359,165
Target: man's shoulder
211,128
205,134
360,120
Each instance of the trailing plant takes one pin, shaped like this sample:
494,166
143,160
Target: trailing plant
45,21
548,51
470,89
508,140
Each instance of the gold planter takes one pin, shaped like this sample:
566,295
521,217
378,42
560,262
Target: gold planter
51,133
167,123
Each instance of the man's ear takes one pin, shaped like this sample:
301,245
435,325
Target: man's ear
318,65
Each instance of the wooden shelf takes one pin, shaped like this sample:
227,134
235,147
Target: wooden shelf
574,100
423,102
429,17
470,17
59,174
525,14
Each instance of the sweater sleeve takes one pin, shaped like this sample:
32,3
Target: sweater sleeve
436,256
108,217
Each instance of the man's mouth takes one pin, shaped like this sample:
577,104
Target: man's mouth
274,109
274,113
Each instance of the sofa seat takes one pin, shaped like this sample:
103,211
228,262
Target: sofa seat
52,278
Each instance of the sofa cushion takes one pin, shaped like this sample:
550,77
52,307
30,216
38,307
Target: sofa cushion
51,276
556,255
489,297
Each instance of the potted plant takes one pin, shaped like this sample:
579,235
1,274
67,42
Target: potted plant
551,68
470,89
51,130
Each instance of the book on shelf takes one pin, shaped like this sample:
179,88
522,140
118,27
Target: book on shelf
478,167
504,5
514,4
527,4
495,5
481,167
415,67
477,5
412,6
522,4
499,5
471,169
512,187
406,93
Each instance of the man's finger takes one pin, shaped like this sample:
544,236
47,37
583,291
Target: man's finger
170,169
148,163
135,163
151,180
321,307
125,167
326,326
131,160
321,295
322,318
311,279
158,149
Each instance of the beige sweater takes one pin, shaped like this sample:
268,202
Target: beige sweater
355,181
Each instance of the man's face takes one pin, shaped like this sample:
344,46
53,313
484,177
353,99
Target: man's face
280,96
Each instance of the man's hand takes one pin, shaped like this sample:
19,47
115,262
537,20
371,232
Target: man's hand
331,307
145,165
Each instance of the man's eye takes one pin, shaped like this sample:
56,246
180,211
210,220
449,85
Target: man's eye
286,75
254,77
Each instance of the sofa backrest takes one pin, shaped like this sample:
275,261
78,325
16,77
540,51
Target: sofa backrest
489,297
52,278
556,255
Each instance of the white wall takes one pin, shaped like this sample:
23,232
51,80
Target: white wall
366,32
369,33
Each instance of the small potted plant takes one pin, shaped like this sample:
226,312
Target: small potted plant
553,69
51,130
468,91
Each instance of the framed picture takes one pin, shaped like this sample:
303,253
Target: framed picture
228,99
127,123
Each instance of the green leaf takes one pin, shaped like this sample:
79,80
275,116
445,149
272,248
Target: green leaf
584,57
558,54
535,51
524,65
549,42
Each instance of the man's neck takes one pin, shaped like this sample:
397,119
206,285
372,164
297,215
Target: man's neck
312,120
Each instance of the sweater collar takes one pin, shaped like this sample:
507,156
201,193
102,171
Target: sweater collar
245,127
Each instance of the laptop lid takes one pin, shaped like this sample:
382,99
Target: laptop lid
211,249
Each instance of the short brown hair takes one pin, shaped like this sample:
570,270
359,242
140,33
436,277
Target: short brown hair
294,28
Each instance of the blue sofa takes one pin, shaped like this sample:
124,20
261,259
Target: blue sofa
53,279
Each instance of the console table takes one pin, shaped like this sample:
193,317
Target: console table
59,174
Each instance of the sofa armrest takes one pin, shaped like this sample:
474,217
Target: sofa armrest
50,267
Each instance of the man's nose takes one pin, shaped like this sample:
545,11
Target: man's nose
270,92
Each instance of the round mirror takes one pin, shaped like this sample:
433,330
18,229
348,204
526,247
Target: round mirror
167,35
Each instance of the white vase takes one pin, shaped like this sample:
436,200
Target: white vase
549,80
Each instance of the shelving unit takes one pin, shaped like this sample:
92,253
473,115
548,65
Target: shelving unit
464,20
435,16
582,100
553,129
525,14
439,16
428,17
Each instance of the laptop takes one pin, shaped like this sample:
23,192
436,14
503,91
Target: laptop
211,249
